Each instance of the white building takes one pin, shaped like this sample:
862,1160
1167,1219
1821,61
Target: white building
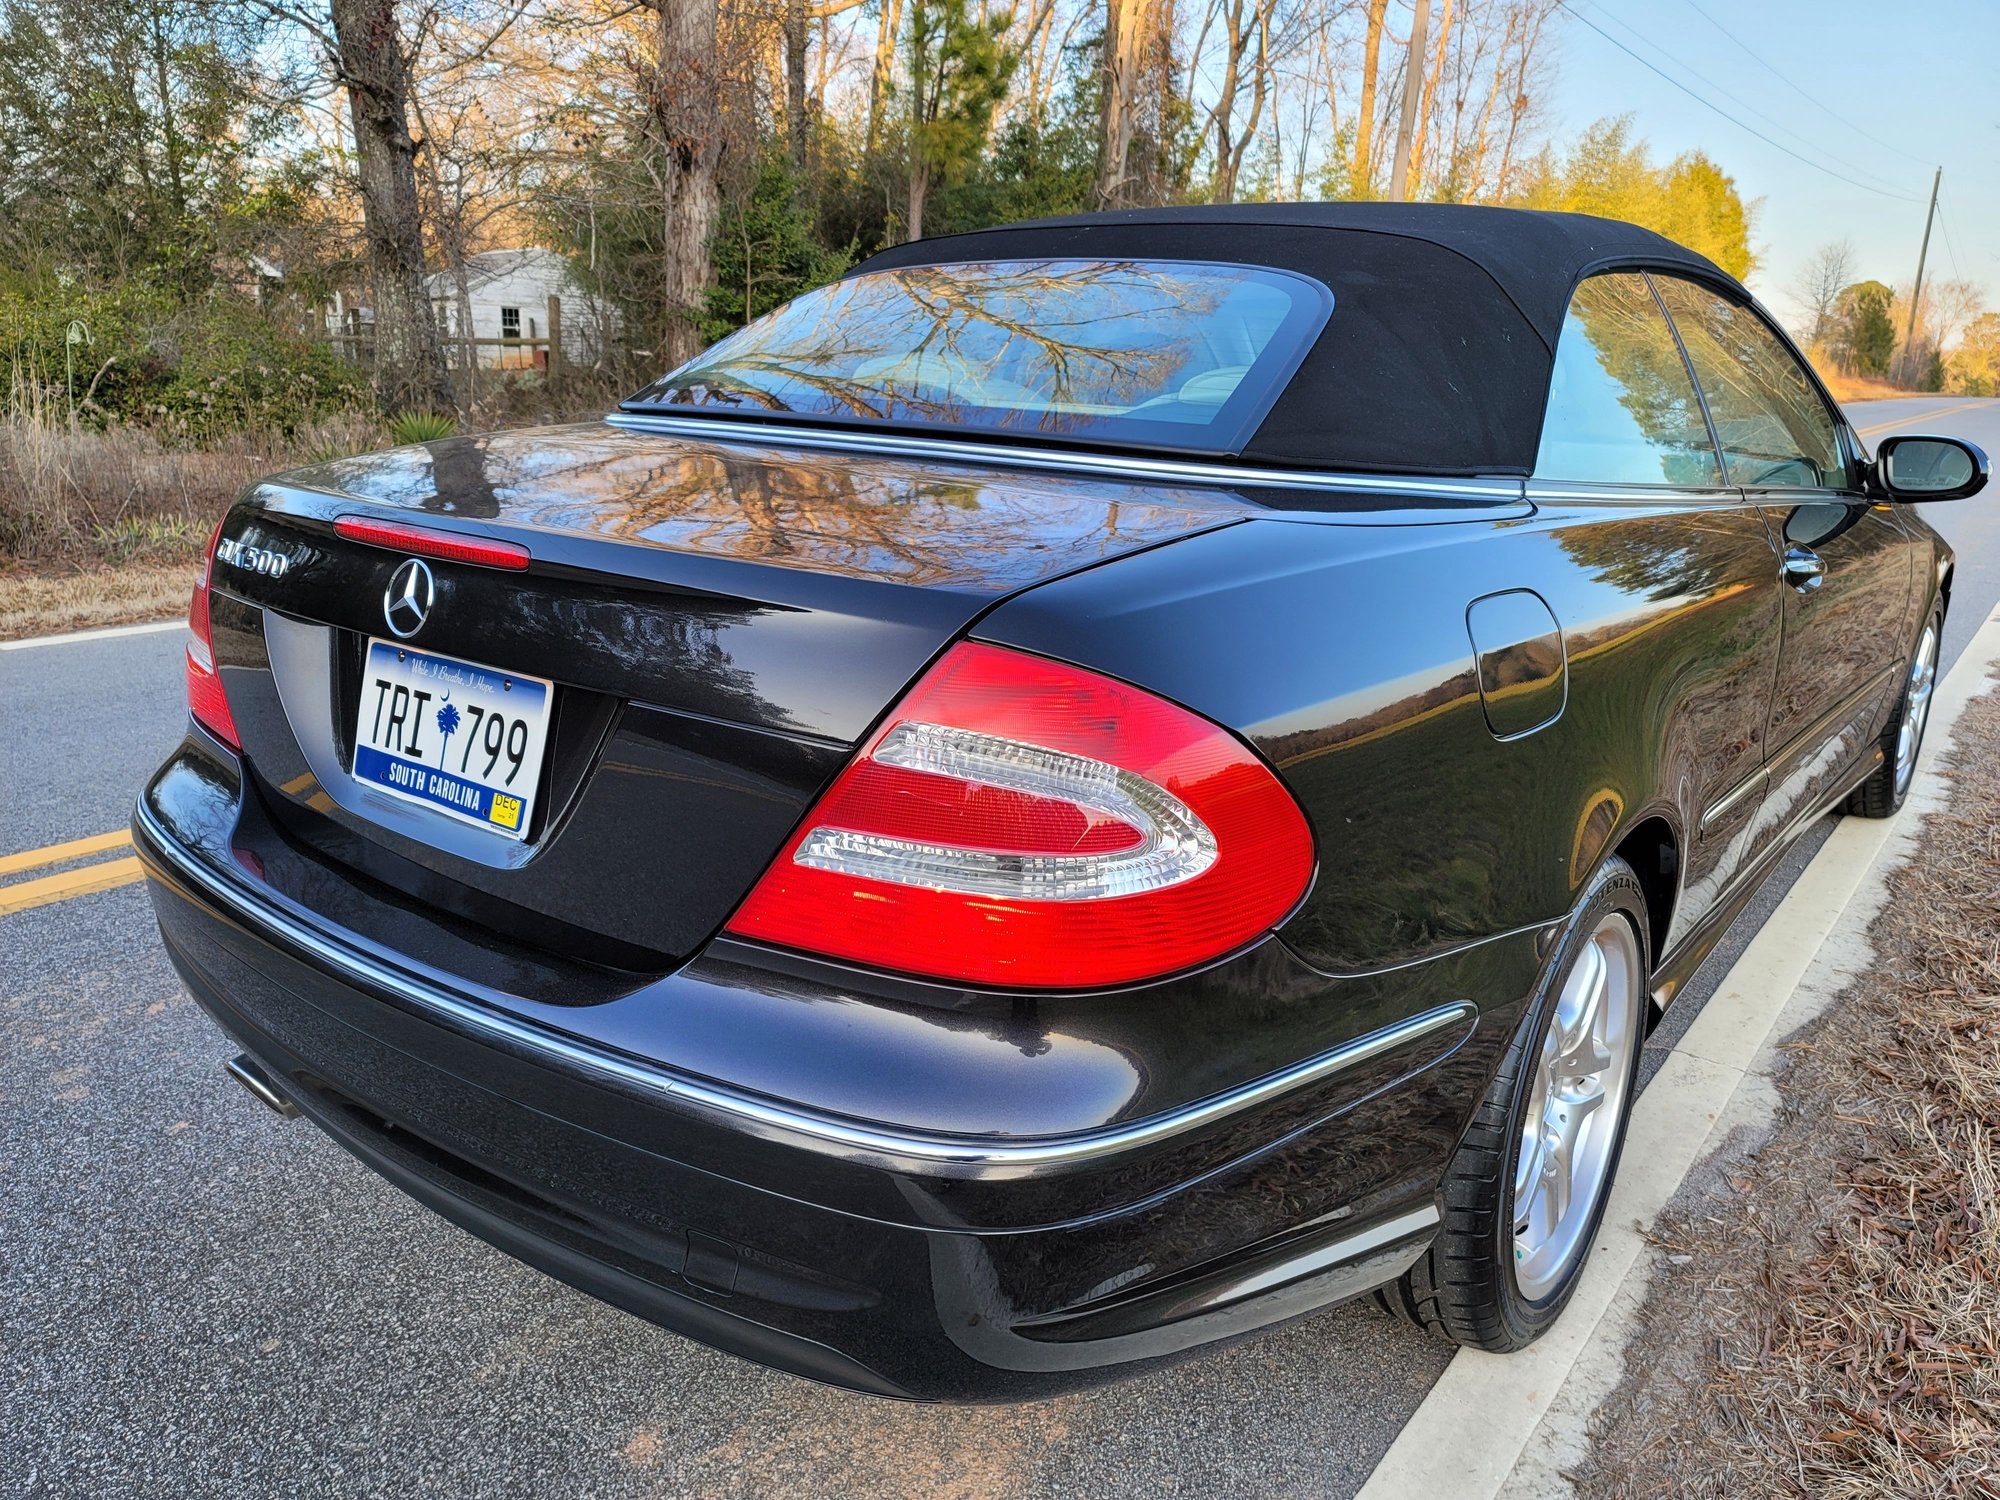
510,292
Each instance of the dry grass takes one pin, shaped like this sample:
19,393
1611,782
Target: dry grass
45,603
107,527
70,492
75,496
1828,1321
1847,388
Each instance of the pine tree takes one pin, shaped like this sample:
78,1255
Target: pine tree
959,69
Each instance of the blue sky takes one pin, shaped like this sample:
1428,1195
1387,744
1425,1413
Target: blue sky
1883,94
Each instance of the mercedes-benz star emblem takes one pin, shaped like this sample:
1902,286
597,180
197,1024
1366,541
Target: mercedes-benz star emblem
406,603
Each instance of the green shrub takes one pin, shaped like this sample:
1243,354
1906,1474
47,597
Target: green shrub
130,354
151,539
422,426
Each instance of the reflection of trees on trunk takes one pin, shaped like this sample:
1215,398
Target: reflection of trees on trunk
876,518
938,343
901,525
462,478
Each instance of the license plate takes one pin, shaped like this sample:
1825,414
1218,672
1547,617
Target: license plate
464,739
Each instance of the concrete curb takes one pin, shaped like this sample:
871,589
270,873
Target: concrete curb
1508,1424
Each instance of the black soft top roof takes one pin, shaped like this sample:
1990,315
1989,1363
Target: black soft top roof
1438,355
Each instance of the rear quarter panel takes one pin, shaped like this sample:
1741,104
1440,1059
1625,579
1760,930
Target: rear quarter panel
1341,651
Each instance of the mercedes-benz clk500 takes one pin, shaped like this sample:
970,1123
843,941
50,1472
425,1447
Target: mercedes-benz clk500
1083,791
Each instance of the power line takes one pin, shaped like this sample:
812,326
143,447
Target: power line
1779,125
1950,250
1732,119
1765,63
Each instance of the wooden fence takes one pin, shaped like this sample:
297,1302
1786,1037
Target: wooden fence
543,352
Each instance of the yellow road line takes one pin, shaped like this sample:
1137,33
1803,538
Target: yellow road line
100,877
55,854
1923,416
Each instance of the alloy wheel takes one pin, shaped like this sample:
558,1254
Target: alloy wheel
1916,707
1575,1102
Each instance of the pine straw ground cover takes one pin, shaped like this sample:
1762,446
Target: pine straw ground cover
1827,1319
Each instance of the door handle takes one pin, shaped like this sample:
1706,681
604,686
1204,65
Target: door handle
1805,569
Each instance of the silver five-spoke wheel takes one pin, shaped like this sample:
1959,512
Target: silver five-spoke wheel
1575,1100
1916,707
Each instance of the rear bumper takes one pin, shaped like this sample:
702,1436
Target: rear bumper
899,1261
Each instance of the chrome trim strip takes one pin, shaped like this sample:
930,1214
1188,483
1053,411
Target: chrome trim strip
1425,958
1326,1257
1017,456
1754,782
1634,494
1813,737
769,1115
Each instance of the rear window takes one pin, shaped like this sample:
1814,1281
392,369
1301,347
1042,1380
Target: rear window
1153,354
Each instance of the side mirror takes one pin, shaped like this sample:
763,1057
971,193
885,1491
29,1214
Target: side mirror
1915,469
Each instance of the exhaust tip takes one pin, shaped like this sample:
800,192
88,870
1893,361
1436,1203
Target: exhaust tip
243,1068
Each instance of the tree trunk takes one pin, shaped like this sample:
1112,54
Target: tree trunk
1361,173
687,112
920,186
410,371
1225,102
1427,105
1519,105
795,84
1125,26
448,224
169,128
885,63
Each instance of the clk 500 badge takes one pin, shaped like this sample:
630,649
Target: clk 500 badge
253,559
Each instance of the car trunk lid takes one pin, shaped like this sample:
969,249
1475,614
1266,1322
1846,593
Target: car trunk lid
721,624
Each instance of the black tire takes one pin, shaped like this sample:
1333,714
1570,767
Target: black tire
1885,791
1464,1289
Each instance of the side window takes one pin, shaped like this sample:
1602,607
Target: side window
1775,431
1622,409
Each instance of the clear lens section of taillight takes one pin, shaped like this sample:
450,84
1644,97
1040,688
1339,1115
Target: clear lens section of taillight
1020,822
206,700
1170,844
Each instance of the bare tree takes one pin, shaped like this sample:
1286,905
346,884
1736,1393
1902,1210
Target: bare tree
1817,290
1485,62
1251,38
889,23
796,24
370,60
1946,308
1361,170
797,30
1129,27
687,122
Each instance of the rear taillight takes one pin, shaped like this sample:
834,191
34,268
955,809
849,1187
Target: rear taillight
206,700
1020,822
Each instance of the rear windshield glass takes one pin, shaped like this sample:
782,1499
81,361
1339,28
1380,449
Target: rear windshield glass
1156,354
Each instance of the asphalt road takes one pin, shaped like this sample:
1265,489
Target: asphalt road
199,1299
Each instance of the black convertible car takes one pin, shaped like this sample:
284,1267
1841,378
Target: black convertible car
1085,790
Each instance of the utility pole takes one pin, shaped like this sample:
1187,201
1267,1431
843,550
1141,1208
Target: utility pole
1413,85
1917,291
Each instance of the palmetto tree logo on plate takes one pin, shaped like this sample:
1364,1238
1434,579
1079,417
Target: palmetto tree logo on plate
447,718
